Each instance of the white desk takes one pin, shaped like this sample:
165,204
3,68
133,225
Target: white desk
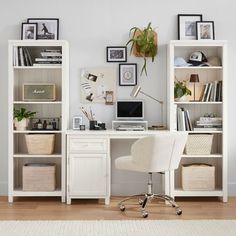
89,162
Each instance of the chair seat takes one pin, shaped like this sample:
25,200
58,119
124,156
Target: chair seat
127,163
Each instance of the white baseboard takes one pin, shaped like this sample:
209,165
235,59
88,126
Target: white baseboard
3,188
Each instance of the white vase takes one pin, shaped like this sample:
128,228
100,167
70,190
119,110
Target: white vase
184,98
21,125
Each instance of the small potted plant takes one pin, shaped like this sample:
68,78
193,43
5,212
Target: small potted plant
181,91
21,118
143,44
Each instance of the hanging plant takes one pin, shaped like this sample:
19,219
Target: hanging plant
143,44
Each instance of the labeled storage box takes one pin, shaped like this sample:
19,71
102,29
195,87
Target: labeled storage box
198,177
40,143
39,177
199,144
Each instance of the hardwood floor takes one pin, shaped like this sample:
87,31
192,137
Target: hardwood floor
53,209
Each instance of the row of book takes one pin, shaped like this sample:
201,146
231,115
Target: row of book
183,120
212,92
22,57
208,123
49,57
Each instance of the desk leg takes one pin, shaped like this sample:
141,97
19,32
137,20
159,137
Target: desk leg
107,200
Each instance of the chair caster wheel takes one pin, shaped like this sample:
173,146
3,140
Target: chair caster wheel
140,202
173,206
145,214
122,207
178,211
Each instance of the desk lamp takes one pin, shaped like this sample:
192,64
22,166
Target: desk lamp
194,78
134,93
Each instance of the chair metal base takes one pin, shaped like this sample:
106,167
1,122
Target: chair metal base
145,198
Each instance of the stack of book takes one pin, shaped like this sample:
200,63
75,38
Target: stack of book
209,124
49,57
212,92
183,120
21,57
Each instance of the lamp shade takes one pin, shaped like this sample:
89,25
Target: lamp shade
134,93
194,78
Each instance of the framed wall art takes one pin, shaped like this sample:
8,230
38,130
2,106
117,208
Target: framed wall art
128,74
29,31
187,26
205,30
48,28
116,54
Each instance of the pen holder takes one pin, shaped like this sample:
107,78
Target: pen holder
92,124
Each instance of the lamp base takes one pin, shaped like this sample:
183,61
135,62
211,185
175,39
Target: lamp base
157,127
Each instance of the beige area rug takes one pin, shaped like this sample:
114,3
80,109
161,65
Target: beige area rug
123,228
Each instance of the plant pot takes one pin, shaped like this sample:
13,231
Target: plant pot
136,48
21,125
184,98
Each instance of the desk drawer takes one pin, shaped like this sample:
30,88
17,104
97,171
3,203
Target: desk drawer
87,145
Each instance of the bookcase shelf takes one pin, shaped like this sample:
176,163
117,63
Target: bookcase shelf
193,110
57,74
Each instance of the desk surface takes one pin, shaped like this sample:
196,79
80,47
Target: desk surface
115,133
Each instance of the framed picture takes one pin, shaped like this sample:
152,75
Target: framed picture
187,26
29,31
116,54
77,122
109,98
48,28
205,30
128,74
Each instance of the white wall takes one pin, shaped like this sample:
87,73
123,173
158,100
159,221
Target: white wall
90,26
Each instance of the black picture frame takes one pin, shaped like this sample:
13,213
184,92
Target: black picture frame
127,74
205,30
116,53
30,32
49,26
187,26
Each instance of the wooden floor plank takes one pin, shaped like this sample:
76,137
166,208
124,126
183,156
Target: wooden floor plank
53,209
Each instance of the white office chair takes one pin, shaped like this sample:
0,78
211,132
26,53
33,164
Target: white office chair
159,153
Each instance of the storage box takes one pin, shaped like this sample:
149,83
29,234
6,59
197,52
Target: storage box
40,143
198,177
39,91
199,144
39,177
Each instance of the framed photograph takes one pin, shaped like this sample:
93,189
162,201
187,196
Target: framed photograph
77,122
116,54
109,98
205,30
187,26
29,31
128,74
48,28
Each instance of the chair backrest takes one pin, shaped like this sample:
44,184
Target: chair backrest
159,153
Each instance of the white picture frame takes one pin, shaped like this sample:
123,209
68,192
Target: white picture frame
76,122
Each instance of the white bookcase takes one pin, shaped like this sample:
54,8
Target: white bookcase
218,156
17,76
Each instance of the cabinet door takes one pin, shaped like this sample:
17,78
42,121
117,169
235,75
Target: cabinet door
88,173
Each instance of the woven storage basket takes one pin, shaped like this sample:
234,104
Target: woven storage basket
39,177
198,177
199,144
40,143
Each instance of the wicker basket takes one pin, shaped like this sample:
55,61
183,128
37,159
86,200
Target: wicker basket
40,143
39,177
198,177
199,144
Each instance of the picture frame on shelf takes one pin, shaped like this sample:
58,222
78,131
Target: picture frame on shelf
77,122
48,28
128,74
187,26
205,30
29,31
116,54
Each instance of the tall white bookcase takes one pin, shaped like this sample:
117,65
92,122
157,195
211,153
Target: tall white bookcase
17,76
218,156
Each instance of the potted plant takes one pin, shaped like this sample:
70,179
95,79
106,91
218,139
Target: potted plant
21,118
181,91
143,44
